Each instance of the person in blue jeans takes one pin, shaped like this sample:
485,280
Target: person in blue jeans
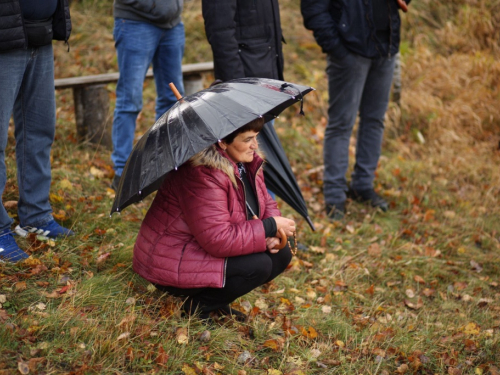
27,28
361,40
146,32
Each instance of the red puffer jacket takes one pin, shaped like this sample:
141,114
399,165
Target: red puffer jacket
198,219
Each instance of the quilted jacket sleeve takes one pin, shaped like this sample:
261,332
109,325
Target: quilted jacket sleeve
220,27
205,201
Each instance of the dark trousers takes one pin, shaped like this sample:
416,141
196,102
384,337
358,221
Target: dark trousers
243,274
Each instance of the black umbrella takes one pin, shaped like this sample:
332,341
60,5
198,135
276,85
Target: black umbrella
194,123
278,173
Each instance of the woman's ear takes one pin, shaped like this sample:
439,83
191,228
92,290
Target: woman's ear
222,145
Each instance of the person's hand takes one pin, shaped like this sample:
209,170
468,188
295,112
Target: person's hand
402,4
271,243
287,225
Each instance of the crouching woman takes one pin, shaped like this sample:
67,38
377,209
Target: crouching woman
199,241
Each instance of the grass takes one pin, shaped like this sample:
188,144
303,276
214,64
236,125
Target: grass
413,290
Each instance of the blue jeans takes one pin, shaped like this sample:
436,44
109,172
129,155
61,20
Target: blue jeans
27,92
355,84
138,44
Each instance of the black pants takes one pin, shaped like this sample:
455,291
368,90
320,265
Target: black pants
243,274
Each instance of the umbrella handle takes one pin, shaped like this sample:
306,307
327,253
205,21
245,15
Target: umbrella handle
284,239
281,233
175,91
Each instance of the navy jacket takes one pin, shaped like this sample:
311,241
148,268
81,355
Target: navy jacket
246,38
12,32
343,26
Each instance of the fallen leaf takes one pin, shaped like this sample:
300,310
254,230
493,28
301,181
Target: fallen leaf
261,304
182,335
187,370
20,286
476,266
124,335
309,333
97,172
402,369
419,279
41,306
449,214
317,249
374,250
272,344
162,357
415,306
410,293
10,205
23,367
66,184
127,320
428,292
244,357
471,329
454,371
326,309
54,294
101,258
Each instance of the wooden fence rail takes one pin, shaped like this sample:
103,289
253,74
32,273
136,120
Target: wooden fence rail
91,99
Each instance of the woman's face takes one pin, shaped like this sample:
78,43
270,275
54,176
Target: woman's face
242,149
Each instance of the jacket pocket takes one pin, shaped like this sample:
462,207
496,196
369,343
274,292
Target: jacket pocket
259,59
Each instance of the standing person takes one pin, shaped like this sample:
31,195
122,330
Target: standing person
27,28
145,32
361,40
199,239
246,39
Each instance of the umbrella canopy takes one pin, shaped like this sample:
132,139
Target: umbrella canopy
194,123
278,173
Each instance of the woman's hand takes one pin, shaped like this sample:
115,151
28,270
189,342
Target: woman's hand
271,243
287,225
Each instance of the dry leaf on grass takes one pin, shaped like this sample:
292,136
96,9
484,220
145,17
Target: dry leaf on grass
415,306
181,335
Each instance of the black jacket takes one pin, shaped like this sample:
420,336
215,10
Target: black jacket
340,26
12,31
246,38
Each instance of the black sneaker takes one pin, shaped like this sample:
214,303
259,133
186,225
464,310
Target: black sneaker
368,196
116,182
335,212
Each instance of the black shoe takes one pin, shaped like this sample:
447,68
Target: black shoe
335,211
232,313
115,183
369,196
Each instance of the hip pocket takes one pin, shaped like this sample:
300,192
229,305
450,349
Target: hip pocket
259,59
39,33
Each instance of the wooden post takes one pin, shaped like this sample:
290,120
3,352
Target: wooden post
192,83
91,115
